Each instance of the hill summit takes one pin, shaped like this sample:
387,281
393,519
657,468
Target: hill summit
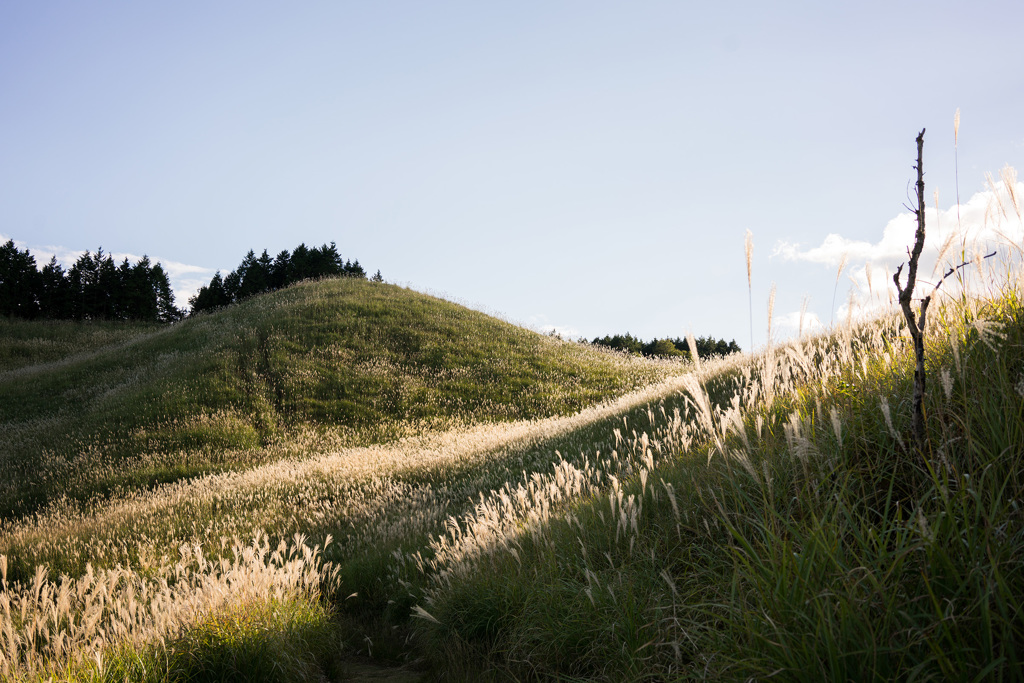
315,366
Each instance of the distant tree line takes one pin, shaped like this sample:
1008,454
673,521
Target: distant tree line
259,274
706,346
94,288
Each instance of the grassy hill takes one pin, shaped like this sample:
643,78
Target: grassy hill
762,516
92,408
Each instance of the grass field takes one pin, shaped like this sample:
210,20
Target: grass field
205,502
93,409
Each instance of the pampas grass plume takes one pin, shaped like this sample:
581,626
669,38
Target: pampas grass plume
748,245
1009,177
692,343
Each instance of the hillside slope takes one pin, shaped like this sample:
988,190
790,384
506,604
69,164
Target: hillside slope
316,366
759,517
786,528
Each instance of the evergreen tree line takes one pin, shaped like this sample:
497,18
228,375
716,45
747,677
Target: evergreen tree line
94,288
706,346
259,274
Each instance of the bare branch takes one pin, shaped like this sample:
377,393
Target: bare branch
956,268
915,326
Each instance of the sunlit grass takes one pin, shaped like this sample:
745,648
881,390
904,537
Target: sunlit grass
788,530
65,625
752,517
262,639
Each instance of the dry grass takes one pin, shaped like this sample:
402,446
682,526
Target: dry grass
53,627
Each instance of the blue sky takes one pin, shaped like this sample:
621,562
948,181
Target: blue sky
588,166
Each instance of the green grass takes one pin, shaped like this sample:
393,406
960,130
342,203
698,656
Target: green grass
94,409
261,641
28,343
761,518
820,561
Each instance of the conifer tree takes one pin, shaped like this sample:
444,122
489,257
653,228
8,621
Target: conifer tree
279,270
353,269
20,283
166,311
55,294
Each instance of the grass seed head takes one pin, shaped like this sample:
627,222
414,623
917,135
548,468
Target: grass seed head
748,245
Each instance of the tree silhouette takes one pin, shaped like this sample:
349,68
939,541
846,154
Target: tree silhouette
94,288
55,295
20,284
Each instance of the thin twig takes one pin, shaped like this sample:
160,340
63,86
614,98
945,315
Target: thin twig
956,268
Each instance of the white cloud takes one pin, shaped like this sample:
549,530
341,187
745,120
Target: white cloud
791,322
183,278
540,323
987,217
989,221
